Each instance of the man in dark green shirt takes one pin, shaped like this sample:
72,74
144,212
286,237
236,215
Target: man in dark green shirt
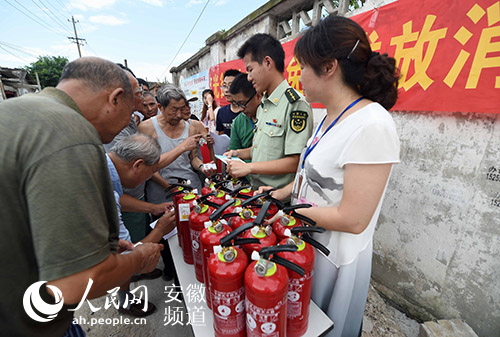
247,100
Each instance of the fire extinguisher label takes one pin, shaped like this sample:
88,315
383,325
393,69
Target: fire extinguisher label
184,212
229,311
262,321
295,296
195,239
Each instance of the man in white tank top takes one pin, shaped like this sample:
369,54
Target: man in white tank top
170,129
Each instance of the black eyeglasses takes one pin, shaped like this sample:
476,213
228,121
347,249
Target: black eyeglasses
243,106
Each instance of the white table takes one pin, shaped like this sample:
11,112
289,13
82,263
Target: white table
319,323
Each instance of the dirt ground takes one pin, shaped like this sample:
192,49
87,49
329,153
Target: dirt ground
382,319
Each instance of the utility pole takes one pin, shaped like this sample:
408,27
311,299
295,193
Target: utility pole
76,39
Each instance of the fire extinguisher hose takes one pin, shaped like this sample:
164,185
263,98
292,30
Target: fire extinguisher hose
217,214
227,240
290,265
305,231
266,252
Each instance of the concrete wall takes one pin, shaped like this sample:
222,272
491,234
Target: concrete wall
438,240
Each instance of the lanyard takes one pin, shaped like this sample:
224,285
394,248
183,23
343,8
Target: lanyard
313,143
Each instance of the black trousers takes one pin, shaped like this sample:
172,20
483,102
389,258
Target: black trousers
169,271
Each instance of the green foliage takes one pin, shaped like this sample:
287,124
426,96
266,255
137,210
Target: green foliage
49,69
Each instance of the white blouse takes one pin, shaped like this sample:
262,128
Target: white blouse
368,136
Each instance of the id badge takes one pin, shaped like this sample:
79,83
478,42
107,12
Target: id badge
299,183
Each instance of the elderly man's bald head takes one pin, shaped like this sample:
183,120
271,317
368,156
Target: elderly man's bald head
97,73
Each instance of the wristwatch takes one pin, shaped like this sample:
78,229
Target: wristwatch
209,106
199,167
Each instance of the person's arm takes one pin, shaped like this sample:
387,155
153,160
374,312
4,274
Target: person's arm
200,129
147,128
187,144
284,165
241,153
114,271
212,114
363,188
196,162
164,226
283,193
157,178
131,204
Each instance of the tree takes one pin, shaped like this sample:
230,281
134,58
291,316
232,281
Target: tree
49,69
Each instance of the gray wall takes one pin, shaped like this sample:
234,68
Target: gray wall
437,244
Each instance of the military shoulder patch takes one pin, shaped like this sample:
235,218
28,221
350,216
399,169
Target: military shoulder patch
298,120
291,95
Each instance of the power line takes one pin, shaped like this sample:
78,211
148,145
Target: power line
185,40
66,14
29,50
84,35
61,23
14,55
45,12
35,20
17,48
46,24
63,6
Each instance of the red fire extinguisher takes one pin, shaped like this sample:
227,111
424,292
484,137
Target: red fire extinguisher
202,209
299,290
210,182
210,236
237,196
261,231
176,191
243,192
258,200
226,271
290,219
219,193
232,209
266,288
184,208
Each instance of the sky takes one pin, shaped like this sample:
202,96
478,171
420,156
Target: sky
148,33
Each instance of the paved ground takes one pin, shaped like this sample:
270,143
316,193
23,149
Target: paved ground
170,319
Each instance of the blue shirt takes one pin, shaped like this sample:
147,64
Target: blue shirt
118,191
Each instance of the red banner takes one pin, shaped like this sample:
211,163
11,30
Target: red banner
448,53
217,77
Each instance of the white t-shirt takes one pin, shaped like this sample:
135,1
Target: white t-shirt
367,136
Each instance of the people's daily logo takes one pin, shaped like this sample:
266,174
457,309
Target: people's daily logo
37,308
